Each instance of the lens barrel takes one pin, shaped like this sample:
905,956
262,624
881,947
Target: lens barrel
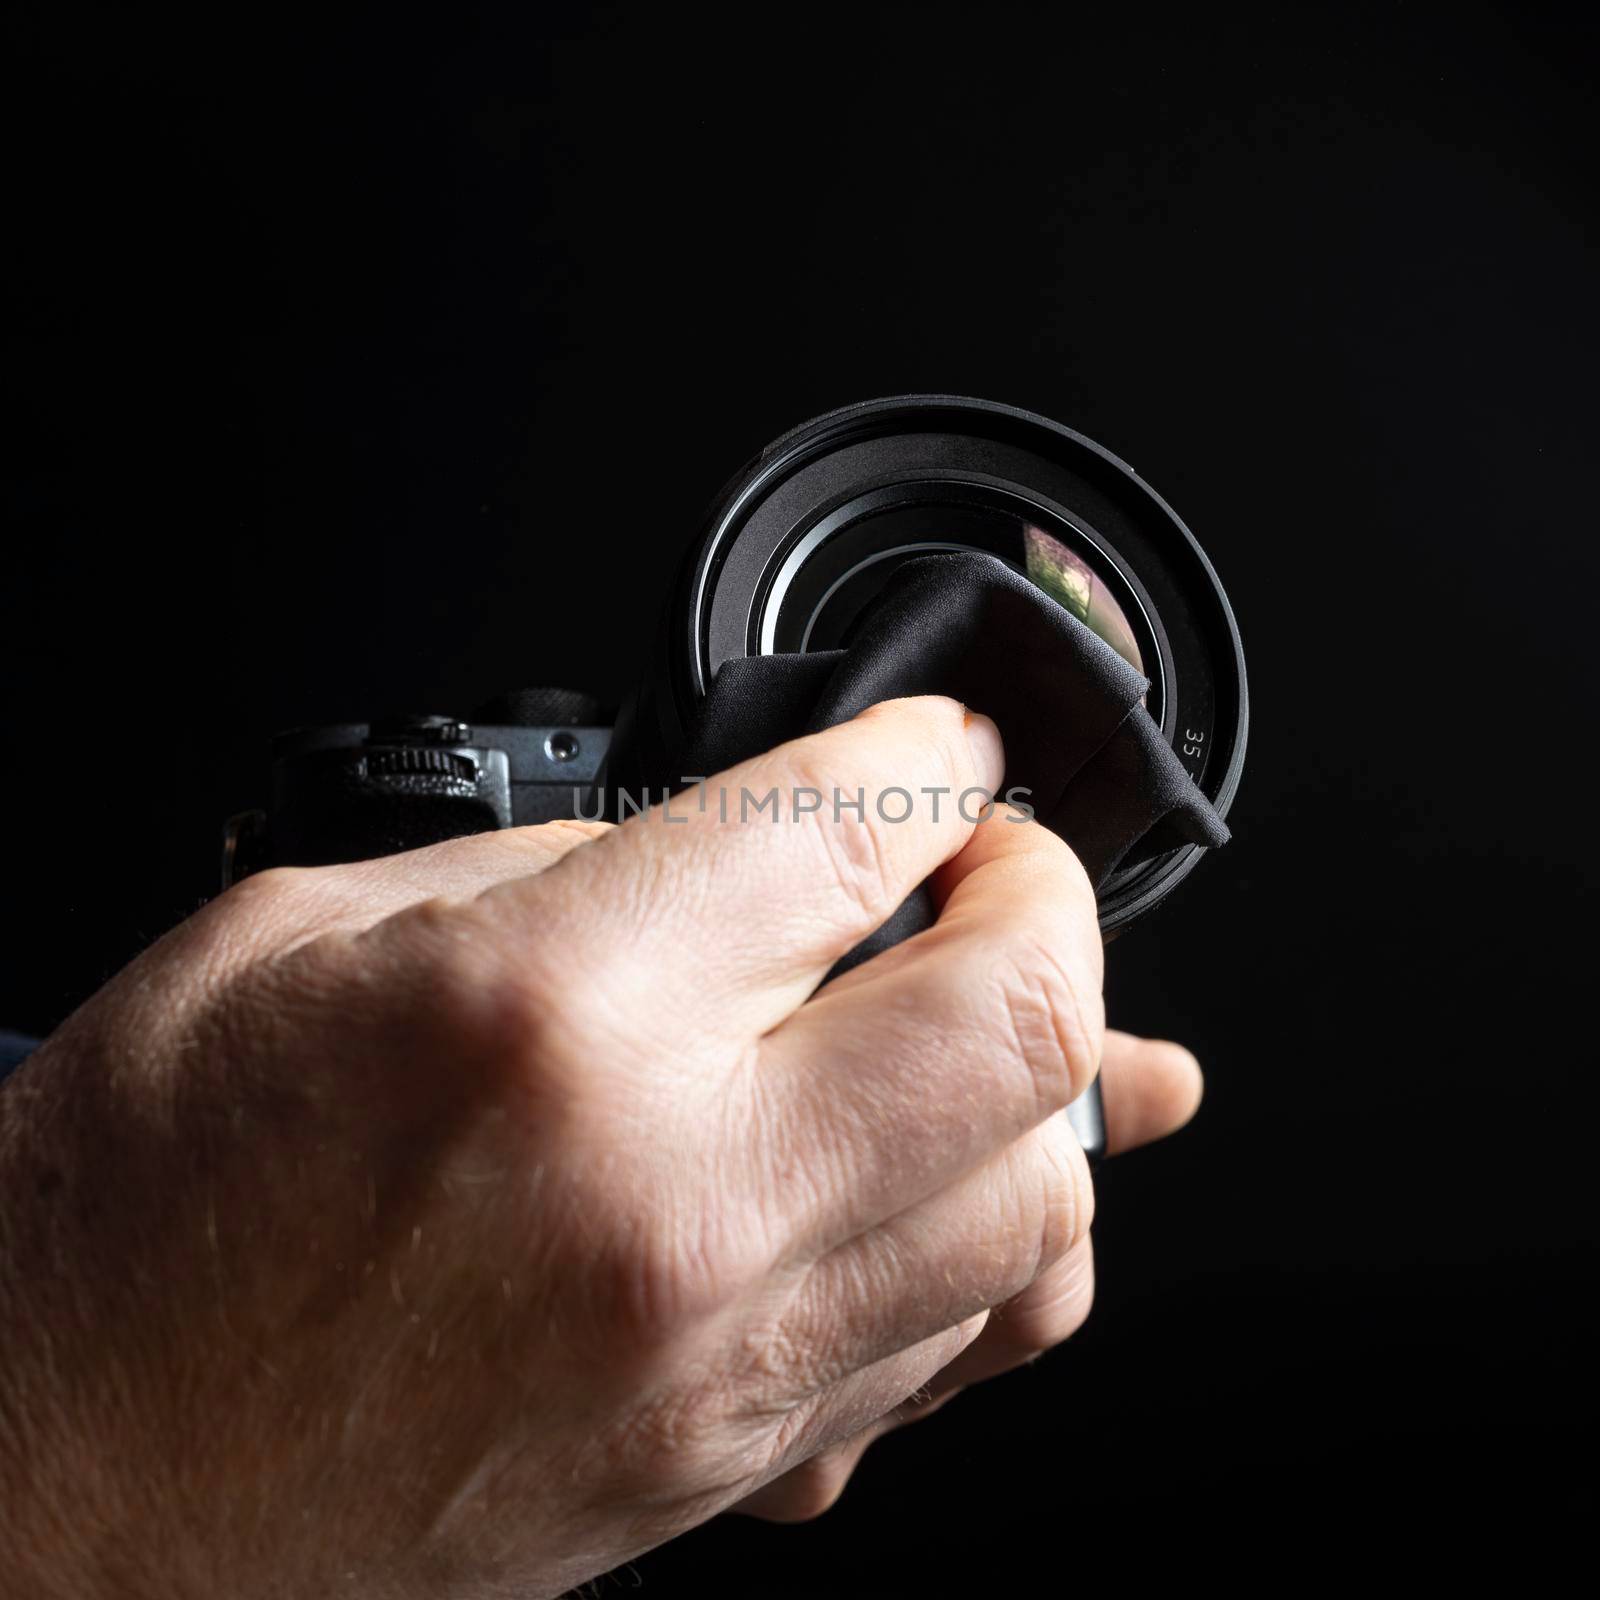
806,535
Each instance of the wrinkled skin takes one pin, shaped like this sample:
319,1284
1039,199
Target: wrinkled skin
466,1222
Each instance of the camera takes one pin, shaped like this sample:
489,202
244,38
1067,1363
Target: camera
797,546
795,551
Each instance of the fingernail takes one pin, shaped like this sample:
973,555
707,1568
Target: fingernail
988,752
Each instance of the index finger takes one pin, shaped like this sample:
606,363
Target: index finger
744,891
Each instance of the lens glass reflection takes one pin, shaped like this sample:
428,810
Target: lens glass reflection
1071,582
830,582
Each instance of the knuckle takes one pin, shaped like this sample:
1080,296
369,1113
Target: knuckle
1055,1020
540,1008
474,1001
653,1291
462,975
658,1267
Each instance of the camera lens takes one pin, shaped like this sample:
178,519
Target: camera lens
809,533
830,578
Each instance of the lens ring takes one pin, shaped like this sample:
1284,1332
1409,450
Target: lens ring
833,460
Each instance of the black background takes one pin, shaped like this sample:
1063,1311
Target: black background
388,363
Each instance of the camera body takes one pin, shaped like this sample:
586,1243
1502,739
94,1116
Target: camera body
353,791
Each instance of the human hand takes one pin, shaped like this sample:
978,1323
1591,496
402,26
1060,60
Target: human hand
492,1213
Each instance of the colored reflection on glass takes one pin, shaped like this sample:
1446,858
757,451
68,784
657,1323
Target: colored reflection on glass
1071,582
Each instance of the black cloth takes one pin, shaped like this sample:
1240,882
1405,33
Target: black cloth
1068,707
